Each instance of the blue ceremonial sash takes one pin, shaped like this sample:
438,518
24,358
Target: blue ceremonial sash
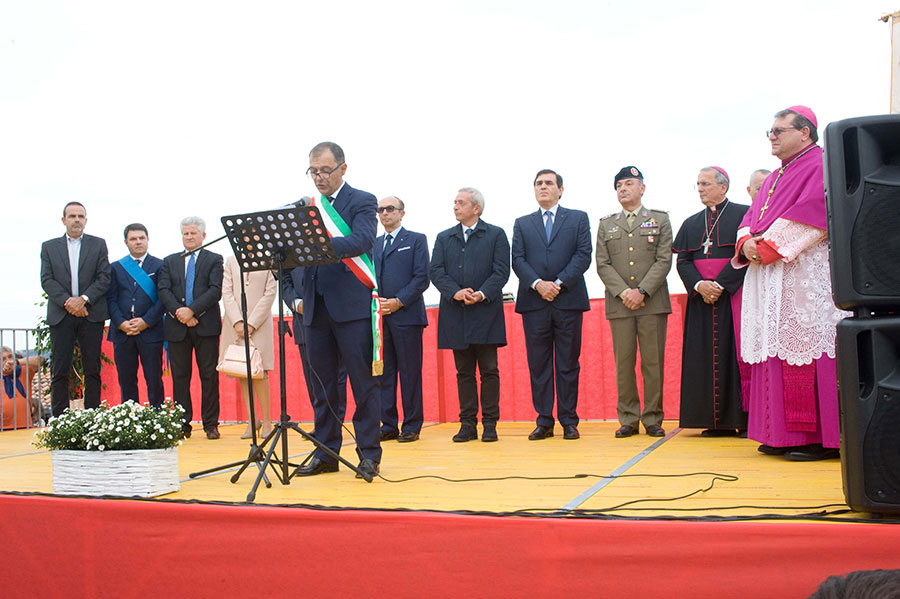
140,277
8,383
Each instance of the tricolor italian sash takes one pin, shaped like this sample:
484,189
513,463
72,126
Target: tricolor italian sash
362,267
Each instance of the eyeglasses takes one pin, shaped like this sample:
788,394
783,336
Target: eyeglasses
778,131
703,184
314,174
388,209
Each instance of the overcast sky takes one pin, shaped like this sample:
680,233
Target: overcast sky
154,111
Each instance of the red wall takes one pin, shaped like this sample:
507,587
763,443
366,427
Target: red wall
597,390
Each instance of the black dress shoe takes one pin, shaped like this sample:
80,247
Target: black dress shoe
186,431
742,433
769,450
407,437
212,432
389,435
489,434
467,432
813,453
369,467
540,432
570,431
316,466
655,430
719,432
626,431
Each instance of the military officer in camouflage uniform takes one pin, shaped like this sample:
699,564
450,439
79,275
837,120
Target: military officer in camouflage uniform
634,254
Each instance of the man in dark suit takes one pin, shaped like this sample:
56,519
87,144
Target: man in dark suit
470,266
135,316
75,276
634,255
292,294
401,263
338,316
551,250
190,286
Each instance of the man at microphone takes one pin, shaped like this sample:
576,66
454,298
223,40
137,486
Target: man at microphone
338,315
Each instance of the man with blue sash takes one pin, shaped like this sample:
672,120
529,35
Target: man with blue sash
135,314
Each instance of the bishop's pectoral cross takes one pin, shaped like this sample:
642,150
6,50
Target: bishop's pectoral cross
706,245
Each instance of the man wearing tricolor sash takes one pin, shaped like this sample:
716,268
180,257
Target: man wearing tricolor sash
341,314
135,314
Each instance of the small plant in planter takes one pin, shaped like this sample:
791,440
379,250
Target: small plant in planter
125,450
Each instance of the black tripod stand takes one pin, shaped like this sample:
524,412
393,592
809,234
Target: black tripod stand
275,240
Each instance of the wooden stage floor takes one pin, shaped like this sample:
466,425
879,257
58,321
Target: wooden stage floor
668,477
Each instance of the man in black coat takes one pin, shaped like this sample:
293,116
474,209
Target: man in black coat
469,266
75,276
190,286
551,249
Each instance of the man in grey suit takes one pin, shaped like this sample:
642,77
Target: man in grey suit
551,250
75,276
634,255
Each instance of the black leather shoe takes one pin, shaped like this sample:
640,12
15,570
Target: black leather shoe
316,466
540,432
389,435
212,432
813,453
655,430
369,467
769,450
467,432
185,431
407,437
719,432
626,431
570,431
489,434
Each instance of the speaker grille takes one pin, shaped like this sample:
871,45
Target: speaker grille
875,244
881,449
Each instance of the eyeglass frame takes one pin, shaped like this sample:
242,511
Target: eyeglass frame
389,209
318,174
777,131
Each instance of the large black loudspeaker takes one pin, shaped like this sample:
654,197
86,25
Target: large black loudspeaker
868,363
862,194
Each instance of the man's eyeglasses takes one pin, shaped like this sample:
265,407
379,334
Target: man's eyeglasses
315,174
388,209
777,131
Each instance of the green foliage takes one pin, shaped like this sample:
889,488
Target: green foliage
125,426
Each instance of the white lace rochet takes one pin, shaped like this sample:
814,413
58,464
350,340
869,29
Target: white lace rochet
787,309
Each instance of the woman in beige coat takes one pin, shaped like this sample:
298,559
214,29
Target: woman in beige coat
260,287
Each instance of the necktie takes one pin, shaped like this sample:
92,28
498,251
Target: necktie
630,219
387,242
469,232
189,280
548,224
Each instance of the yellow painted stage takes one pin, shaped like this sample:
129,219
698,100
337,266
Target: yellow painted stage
681,475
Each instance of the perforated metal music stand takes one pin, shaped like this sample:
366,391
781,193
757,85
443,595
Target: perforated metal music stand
276,240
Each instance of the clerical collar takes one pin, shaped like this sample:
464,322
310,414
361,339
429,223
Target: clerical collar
716,207
787,161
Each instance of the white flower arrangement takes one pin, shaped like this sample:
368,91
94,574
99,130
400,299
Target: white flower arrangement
125,426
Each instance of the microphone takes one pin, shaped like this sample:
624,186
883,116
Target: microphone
304,201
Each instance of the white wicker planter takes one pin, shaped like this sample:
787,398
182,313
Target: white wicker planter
140,472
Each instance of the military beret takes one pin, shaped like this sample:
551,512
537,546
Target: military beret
628,172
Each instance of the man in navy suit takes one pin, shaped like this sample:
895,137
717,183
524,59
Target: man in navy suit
401,262
292,294
75,277
337,314
135,317
551,250
190,286
470,266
